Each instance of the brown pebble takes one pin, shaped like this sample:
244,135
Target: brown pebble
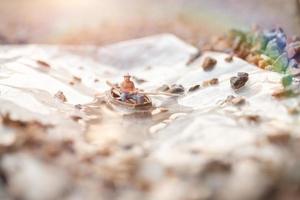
213,81
262,64
213,166
43,63
176,89
209,63
239,81
235,100
253,118
282,93
77,79
76,118
242,74
60,95
229,58
162,109
293,110
194,88
278,137
238,101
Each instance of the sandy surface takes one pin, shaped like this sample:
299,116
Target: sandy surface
197,146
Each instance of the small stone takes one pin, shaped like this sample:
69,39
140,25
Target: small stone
253,59
209,63
293,110
262,64
162,109
282,93
278,137
242,74
60,95
78,106
176,89
76,79
238,82
253,118
43,63
76,118
213,81
235,100
194,88
229,58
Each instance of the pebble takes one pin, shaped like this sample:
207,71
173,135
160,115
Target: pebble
177,89
43,63
281,93
235,100
239,81
229,59
60,95
194,88
279,137
213,81
253,118
209,63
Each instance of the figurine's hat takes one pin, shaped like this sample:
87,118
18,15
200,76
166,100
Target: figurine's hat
127,75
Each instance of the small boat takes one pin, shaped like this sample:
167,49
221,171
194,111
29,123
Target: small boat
113,99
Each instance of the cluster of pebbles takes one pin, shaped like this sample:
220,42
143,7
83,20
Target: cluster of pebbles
228,136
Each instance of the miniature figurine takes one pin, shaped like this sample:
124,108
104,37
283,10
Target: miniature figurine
128,90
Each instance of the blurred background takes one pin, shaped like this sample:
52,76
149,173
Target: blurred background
107,21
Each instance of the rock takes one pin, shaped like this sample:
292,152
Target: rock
279,137
253,118
43,63
209,63
283,93
60,95
213,81
194,88
229,58
239,81
176,89
242,74
235,100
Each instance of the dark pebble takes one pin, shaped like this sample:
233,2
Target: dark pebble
238,82
194,88
242,74
209,63
177,89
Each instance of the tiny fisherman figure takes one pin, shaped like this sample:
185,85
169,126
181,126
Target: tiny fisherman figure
128,91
